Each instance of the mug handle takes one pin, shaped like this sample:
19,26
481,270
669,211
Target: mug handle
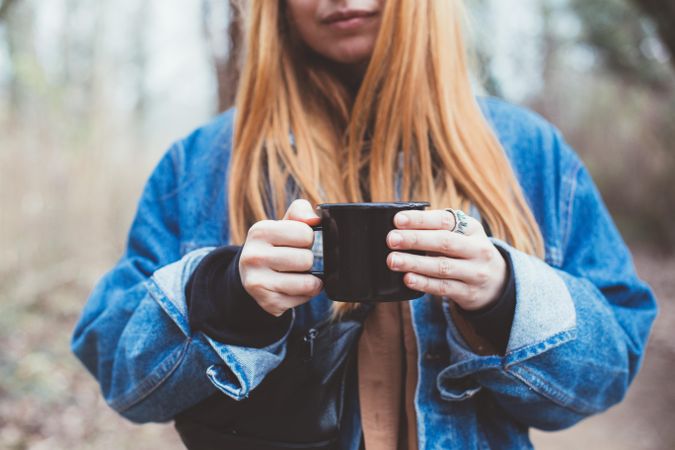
318,273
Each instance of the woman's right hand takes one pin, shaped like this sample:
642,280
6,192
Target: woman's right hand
275,254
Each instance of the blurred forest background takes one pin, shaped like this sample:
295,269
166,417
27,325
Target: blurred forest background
92,93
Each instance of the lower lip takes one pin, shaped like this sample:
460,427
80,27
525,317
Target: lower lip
350,24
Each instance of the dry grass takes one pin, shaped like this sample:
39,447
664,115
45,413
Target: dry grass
63,223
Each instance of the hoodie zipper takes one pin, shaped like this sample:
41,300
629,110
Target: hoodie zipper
309,338
311,334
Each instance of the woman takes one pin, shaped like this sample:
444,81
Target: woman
532,316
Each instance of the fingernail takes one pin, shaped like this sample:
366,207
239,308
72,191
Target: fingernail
395,239
402,219
395,261
412,280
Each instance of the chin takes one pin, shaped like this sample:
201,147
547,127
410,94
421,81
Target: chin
352,52
352,55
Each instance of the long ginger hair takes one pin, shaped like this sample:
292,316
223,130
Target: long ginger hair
297,125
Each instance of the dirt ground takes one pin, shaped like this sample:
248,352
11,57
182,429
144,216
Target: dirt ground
47,401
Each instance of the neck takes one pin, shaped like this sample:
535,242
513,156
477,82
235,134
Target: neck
351,74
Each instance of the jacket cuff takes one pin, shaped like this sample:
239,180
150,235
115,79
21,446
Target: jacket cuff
234,370
245,367
221,308
544,317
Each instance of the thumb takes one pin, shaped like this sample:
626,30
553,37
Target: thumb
302,211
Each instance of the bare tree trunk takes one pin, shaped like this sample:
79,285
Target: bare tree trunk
5,9
18,33
228,74
550,46
662,12
140,58
5,6
226,56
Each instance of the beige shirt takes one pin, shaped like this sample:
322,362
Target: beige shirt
387,374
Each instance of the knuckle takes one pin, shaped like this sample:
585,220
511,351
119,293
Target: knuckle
245,255
265,303
447,244
485,253
446,288
421,282
403,263
318,287
254,282
471,295
308,284
300,232
307,235
260,230
409,263
444,267
446,220
482,276
256,227
307,260
272,305
253,259
409,239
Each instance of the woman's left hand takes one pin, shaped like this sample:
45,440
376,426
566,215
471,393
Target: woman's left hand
467,268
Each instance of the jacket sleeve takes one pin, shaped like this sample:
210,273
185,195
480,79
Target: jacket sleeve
579,330
134,334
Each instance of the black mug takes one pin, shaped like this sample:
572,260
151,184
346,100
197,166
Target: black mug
355,252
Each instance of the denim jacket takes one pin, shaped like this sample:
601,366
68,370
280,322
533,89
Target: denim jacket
579,331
